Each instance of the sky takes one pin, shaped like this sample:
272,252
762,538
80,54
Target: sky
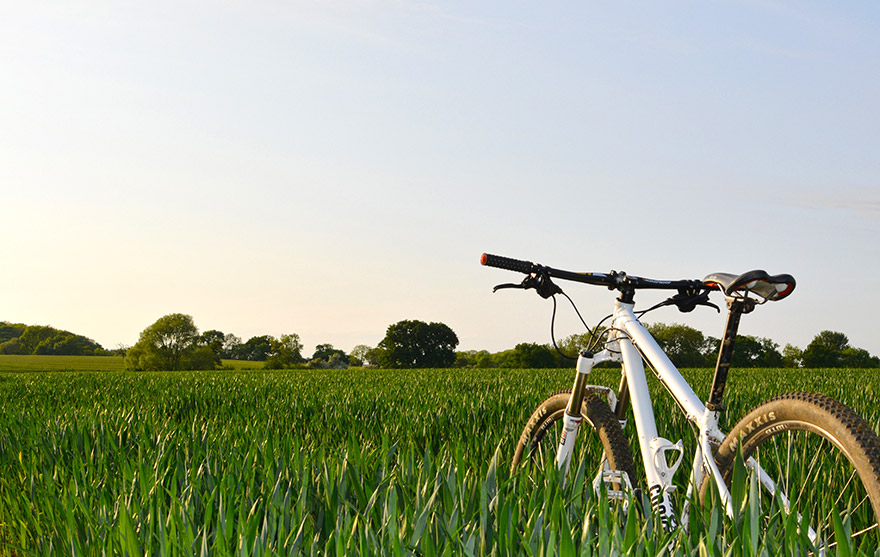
329,168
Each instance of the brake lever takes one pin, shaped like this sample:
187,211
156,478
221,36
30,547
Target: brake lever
507,285
687,301
540,282
528,282
710,304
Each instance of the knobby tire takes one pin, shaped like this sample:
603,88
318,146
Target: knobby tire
599,423
819,451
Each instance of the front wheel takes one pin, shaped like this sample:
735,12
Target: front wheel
600,436
824,459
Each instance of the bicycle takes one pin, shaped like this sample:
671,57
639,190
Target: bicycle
781,441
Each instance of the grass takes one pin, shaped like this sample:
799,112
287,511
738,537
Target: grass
322,462
19,363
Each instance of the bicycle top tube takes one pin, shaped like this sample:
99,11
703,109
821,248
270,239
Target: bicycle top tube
614,280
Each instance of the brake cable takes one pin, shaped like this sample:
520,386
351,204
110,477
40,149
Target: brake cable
552,332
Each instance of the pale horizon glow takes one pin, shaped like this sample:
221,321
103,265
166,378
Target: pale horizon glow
330,168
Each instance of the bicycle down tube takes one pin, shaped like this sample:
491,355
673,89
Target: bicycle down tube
635,344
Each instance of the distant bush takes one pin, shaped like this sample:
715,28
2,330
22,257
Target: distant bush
832,349
415,344
16,338
169,344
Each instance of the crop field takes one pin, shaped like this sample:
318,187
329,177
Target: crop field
336,462
30,363
18,363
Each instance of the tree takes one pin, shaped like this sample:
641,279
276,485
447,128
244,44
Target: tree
685,346
256,349
531,355
171,343
749,351
471,358
326,351
792,356
688,347
12,346
859,358
832,349
284,352
416,344
358,355
68,344
44,340
213,339
482,359
327,356
826,350
9,331
485,359
373,356
231,344
832,340
504,359
34,336
201,357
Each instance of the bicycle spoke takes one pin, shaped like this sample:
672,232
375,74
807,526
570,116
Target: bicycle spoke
816,478
805,482
868,529
541,455
843,490
832,545
788,463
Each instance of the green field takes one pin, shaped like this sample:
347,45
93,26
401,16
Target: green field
321,462
17,363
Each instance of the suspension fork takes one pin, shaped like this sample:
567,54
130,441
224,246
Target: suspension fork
571,420
622,398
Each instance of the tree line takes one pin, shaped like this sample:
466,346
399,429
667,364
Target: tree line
174,342
687,347
416,344
18,338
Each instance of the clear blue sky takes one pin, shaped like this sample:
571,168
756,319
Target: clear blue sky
330,168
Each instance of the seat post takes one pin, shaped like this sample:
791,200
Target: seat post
737,307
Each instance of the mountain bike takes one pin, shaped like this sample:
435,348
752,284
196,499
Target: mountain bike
792,443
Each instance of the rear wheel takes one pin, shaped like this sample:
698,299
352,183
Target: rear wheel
823,457
600,436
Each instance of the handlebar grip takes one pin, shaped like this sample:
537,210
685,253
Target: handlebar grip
507,263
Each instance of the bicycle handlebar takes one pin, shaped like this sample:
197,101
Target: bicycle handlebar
614,280
507,263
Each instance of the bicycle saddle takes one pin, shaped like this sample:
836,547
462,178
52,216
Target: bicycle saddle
769,287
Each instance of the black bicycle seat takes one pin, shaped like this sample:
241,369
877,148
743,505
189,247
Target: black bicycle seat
769,287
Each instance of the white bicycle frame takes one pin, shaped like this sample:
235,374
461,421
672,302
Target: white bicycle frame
632,343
